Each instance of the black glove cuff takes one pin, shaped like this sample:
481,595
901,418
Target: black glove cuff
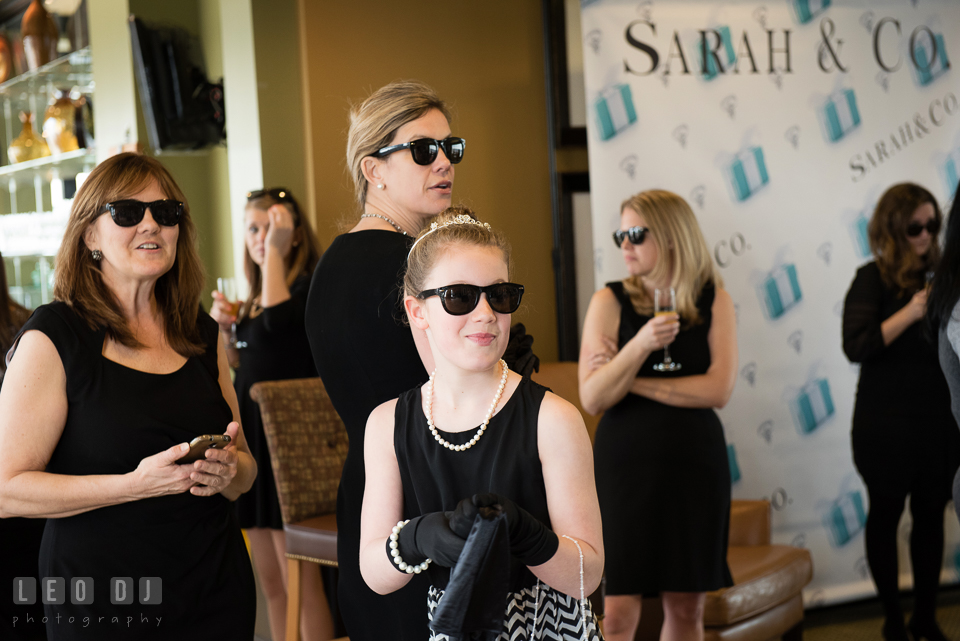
543,550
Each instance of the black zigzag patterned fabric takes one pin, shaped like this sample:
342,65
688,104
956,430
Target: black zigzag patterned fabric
536,613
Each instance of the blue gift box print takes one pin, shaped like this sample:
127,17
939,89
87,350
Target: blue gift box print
841,115
931,58
951,173
726,53
732,460
807,10
812,406
845,518
781,290
861,240
748,173
614,110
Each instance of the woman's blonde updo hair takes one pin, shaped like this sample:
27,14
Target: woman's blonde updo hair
375,122
448,236
683,250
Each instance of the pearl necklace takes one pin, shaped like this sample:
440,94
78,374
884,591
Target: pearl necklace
486,420
395,225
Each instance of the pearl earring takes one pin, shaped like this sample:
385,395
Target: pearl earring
379,185
96,254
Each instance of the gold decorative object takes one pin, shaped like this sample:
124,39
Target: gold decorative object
6,59
39,33
59,123
28,145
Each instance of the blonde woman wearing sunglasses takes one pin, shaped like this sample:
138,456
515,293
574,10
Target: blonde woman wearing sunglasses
660,457
402,155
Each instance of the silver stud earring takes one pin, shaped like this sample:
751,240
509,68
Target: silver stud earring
97,255
379,185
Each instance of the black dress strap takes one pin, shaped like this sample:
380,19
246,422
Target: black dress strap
618,290
77,344
210,333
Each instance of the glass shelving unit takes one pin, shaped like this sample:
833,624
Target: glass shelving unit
36,203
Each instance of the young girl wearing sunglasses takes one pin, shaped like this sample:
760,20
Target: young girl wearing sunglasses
905,439
478,434
661,459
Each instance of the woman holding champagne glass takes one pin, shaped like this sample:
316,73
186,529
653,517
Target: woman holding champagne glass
267,341
659,353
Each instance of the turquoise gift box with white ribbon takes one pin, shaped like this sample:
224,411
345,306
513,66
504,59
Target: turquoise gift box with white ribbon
726,53
807,10
732,460
614,110
951,172
845,518
780,290
812,406
861,239
840,114
931,58
748,173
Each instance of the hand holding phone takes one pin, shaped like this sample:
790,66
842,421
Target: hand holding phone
200,445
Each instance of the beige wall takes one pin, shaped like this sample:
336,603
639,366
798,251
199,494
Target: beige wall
486,60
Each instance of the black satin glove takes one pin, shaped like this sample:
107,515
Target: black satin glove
532,542
429,536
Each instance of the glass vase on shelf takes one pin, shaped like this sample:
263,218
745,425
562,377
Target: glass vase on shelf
60,122
40,34
28,145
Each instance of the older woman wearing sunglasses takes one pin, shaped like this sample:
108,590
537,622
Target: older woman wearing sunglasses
401,154
904,437
106,388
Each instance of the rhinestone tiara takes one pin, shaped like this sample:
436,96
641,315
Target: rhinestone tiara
459,219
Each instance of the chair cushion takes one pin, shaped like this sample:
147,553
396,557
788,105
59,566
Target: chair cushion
764,576
315,538
749,522
768,625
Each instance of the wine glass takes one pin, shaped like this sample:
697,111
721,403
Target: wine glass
228,287
665,302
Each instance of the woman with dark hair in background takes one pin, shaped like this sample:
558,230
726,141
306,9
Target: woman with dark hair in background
19,538
943,314
279,256
401,156
905,440
111,382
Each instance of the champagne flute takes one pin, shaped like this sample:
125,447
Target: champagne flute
665,302
228,287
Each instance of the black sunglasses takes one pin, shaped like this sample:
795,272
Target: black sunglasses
277,193
457,300
915,229
635,235
127,213
424,150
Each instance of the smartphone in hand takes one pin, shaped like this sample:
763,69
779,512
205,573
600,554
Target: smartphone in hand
201,444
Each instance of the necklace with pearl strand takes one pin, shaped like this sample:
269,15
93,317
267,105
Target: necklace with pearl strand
486,420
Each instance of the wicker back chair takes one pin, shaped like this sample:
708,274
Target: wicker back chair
308,445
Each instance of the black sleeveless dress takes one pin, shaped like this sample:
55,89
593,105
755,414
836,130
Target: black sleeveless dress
365,356
663,477
118,416
275,348
506,461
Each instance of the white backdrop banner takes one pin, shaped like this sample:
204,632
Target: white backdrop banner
781,123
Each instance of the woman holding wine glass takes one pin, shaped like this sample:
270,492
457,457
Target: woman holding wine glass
659,353
266,341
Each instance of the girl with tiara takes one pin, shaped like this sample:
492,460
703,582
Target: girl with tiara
445,451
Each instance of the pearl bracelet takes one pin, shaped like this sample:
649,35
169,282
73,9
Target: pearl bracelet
395,552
